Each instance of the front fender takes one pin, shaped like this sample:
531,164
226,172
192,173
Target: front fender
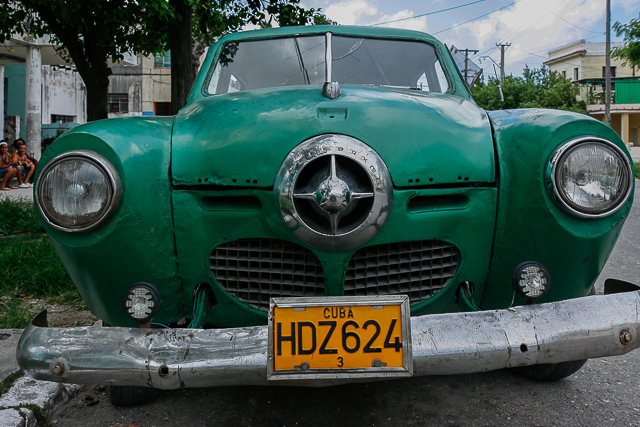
530,225
137,244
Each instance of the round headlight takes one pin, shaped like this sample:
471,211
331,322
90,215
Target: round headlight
78,191
591,177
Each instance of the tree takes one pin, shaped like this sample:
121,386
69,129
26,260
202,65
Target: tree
537,88
630,52
93,32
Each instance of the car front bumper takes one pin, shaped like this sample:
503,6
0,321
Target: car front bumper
456,343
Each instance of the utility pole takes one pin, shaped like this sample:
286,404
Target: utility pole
502,46
466,61
607,75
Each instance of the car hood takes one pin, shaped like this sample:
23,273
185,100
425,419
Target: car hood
242,138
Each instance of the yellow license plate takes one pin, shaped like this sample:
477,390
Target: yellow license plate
332,337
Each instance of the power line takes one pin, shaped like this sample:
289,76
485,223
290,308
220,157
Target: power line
580,28
481,16
430,13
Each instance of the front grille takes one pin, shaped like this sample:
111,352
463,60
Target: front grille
255,270
418,269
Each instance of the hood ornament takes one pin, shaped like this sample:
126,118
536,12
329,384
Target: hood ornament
333,196
334,192
330,89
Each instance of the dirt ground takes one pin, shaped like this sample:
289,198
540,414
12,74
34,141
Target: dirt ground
58,315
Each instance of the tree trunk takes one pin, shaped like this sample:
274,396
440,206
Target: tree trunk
96,96
182,72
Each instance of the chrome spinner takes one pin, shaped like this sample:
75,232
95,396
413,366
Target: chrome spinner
334,192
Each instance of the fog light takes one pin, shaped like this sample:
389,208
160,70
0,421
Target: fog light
531,280
141,302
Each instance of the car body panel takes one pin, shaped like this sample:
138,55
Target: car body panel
200,228
216,138
137,244
531,226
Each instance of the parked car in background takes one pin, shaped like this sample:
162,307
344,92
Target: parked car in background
332,206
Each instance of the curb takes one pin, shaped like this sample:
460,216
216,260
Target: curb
27,399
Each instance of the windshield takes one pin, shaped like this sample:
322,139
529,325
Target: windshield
300,61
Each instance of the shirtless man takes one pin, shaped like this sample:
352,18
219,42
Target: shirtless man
7,172
22,163
30,157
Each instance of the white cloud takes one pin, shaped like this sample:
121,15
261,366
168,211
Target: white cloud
532,27
364,12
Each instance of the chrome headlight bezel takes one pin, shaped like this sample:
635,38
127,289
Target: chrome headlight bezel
105,167
563,152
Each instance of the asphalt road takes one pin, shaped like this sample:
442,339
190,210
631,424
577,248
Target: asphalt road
604,392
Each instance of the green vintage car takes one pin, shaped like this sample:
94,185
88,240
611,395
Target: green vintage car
332,206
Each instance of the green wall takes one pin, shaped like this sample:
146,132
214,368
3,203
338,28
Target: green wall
15,94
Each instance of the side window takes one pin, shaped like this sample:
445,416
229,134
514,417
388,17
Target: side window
423,83
442,78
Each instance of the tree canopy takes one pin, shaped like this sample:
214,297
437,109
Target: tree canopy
93,32
537,88
630,52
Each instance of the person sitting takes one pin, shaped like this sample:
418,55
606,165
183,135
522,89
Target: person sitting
24,166
7,172
32,159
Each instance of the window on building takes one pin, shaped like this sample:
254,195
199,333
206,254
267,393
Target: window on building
564,73
117,103
161,108
604,72
58,118
576,74
163,60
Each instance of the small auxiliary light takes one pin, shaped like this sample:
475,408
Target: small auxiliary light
141,302
531,280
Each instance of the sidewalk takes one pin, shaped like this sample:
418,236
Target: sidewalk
25,194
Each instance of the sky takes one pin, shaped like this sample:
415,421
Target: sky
533,27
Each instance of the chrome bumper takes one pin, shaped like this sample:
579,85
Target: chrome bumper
457,343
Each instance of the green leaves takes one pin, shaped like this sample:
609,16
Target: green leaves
537,88
630,53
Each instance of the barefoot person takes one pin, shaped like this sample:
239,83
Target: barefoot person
7,172
33,160
24,165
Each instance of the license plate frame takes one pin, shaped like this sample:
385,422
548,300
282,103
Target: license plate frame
400,303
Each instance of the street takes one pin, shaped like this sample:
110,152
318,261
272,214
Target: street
604,392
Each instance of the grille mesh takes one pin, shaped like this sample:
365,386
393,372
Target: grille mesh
418,269
255,270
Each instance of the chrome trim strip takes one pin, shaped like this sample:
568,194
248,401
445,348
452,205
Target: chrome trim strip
560,153
454,343
114,180
330,89
328,58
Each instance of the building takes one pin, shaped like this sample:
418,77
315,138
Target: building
143,89
38,90
41,94
584,63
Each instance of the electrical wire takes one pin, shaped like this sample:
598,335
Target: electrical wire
476,18
160,324
427,14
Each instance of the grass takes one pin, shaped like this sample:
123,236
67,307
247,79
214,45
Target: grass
6,383
636,166
29,266
18,217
